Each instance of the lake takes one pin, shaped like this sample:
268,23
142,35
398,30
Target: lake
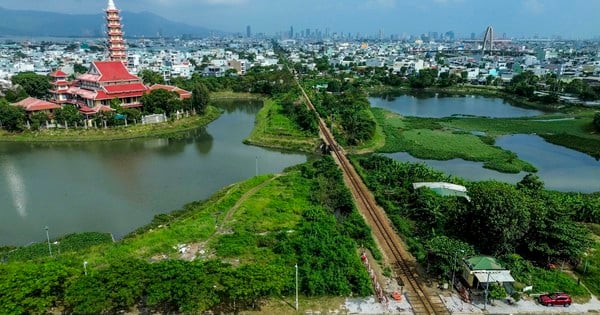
118,186
560,168
437,105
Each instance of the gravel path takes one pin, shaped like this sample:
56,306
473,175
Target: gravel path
458,307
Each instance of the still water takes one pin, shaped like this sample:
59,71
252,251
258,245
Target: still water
118,186
560,168
436,105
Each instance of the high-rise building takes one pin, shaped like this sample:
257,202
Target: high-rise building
291,31
116,44
248,31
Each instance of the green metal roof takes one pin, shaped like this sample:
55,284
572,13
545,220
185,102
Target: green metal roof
483,263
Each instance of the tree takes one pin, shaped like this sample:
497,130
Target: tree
69,114
79,68
151,77
424,79
498,216
34,84
531,182
37,119
596,121
159,101
200,98
16,94
12,118
444,254
31,288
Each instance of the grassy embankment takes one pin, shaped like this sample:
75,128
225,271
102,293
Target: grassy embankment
114,133
273,129
241,224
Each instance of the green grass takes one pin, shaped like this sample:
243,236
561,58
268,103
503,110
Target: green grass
589,266
428,139
114,133
274,130
67,244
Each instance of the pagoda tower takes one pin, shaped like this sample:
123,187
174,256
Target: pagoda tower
116,44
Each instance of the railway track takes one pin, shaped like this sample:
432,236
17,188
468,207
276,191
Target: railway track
422,300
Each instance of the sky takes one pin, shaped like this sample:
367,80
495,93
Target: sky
574,19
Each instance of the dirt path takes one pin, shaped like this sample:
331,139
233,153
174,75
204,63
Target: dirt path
243,198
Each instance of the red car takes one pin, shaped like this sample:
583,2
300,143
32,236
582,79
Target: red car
555,299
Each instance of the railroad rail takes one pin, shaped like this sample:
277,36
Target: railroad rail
403,263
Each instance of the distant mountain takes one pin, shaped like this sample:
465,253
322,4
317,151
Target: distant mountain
38,23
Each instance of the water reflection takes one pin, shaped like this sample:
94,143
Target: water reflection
14,181
118,186
438,105
560,168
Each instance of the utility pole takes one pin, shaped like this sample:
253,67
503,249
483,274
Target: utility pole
48,238
85,267
296,286
487,289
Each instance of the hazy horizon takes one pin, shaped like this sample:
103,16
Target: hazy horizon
572,19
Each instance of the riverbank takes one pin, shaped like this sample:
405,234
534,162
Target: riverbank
239,240
273,129
114,133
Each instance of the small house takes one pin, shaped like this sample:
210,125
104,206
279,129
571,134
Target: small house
480,270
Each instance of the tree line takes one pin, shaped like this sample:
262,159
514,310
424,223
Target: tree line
500,219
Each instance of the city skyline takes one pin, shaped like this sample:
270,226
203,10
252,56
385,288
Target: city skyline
573,19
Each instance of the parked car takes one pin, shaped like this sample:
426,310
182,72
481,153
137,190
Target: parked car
557,298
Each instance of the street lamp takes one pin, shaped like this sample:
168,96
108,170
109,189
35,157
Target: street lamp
85,267
454,268
48,238
296,286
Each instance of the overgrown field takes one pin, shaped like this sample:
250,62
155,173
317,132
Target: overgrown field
227,253
274,129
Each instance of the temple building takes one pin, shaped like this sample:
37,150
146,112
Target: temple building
105,81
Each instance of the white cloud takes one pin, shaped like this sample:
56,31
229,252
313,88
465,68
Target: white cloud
534,6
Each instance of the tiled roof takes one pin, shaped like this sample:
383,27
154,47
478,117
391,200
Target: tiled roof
33,104
58,73
121,88
101,95
113,71
183,94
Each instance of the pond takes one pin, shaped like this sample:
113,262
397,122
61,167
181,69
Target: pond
118,186
437,105
560,168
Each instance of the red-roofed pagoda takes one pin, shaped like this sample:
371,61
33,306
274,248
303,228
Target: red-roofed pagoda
104,81
116,44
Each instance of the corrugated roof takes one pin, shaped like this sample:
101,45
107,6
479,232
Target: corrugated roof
483,263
